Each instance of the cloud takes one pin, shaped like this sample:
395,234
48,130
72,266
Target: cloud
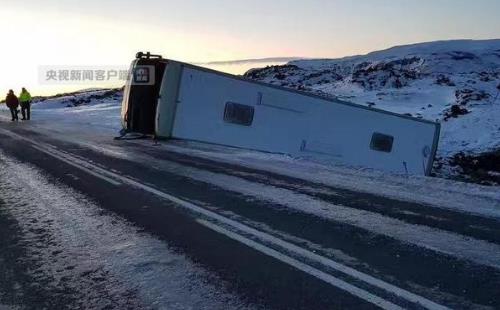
250,61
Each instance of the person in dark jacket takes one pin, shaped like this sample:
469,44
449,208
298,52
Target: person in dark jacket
25,101
12,103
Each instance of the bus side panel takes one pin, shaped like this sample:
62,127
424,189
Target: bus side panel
200,115
296,124
167,101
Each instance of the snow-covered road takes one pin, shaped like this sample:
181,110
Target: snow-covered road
90,222
84,257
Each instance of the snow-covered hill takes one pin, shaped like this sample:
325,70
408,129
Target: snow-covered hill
92,110
454,82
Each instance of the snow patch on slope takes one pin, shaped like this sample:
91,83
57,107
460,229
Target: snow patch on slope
454,82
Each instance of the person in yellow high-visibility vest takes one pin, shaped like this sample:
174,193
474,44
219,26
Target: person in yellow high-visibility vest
25,100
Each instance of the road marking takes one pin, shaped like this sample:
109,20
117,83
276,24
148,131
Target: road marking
382,303
79,166
288,247
69,159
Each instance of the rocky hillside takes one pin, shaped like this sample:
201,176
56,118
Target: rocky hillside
454,82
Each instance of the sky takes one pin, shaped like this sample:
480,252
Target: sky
99,33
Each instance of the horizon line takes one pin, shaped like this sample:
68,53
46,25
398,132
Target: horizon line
250,60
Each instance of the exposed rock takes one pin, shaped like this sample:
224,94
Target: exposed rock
483,168
443,80
464,96
276,70
455,111
82,98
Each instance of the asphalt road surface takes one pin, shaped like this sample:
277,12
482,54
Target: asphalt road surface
235,237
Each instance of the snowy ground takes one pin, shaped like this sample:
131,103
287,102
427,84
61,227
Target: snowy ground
456,83
72,244
63,245
76,249
112,263
99,119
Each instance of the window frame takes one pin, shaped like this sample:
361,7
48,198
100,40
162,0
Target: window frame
230,114
377,136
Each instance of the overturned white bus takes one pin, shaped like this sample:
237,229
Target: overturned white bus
184,101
